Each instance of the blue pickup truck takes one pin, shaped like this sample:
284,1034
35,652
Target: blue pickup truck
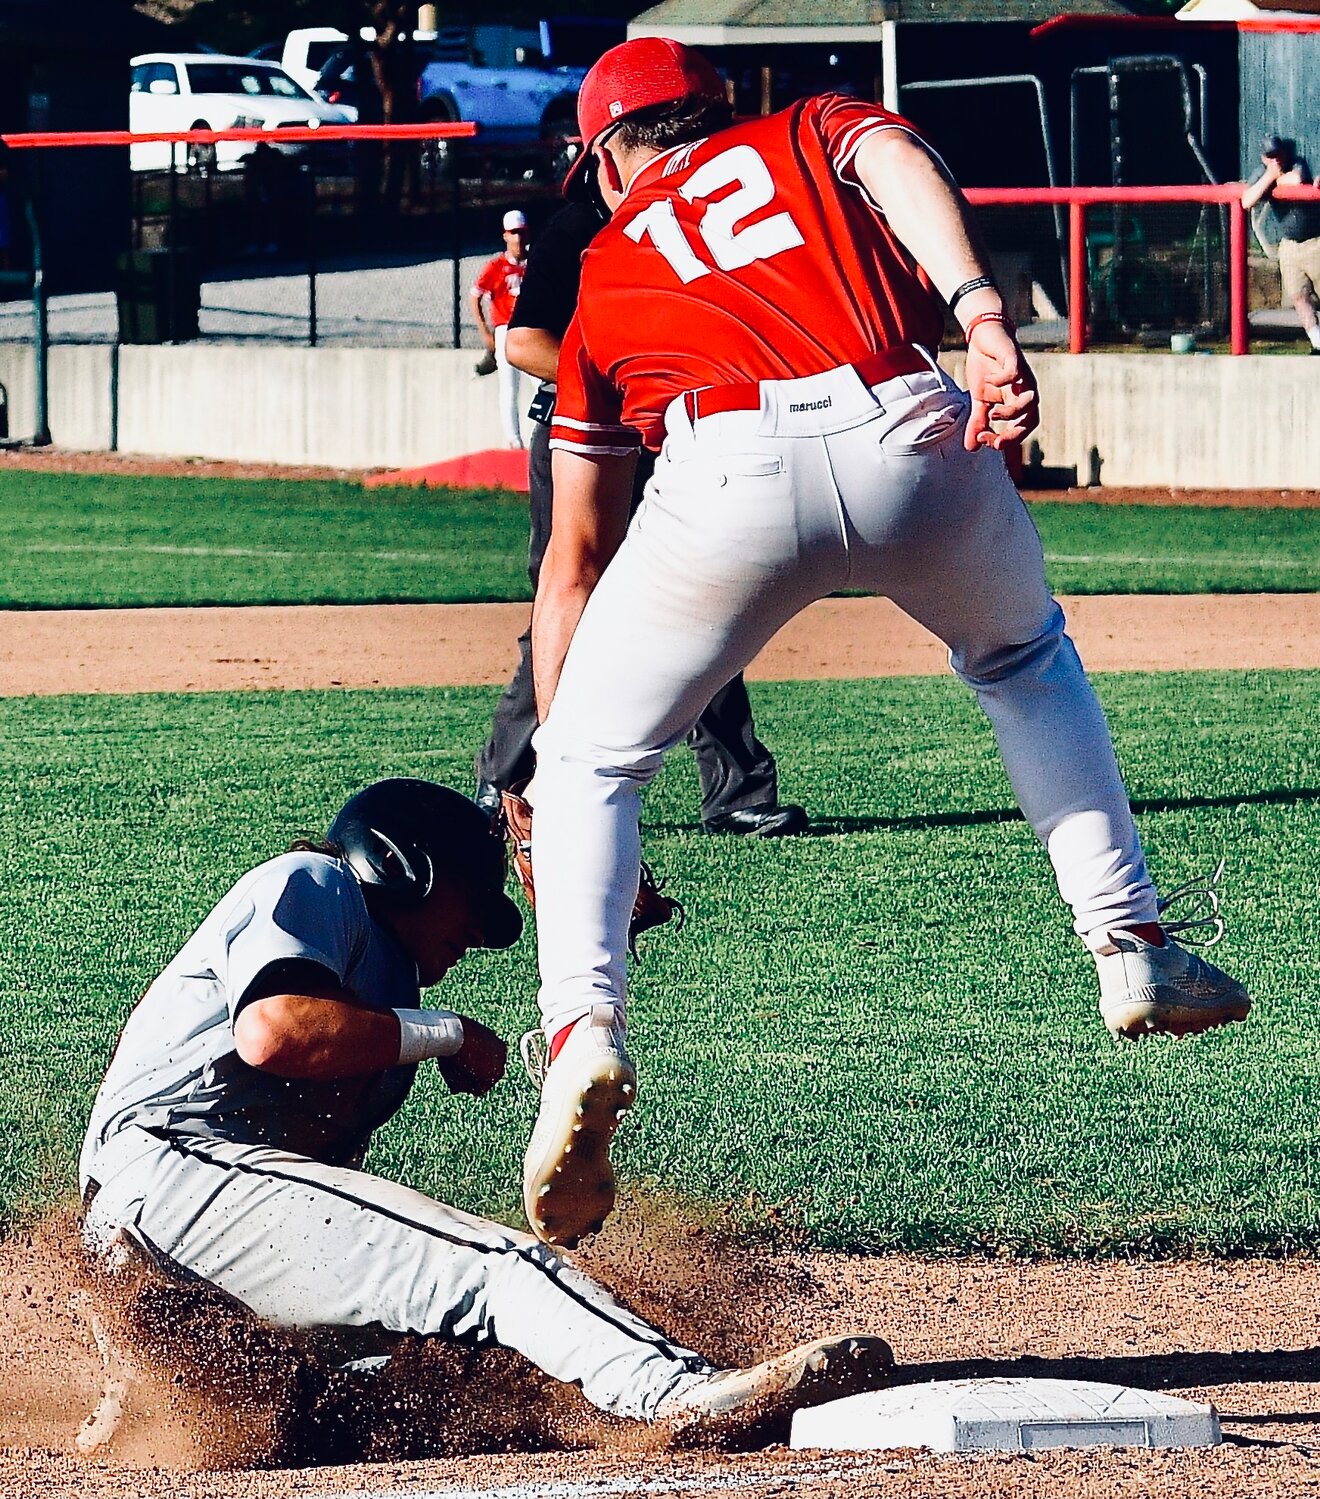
524,101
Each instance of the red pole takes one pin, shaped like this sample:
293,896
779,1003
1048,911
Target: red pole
1076,278
1239,329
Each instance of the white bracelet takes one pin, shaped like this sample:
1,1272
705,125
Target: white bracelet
428,1033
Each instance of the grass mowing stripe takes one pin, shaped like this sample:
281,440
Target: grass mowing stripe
880,1036
105,540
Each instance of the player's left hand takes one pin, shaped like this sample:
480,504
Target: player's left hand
478,1064
1002,387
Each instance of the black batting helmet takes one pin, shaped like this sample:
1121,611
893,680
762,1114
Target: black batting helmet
397,835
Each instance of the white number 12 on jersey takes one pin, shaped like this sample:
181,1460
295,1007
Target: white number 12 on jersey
730,248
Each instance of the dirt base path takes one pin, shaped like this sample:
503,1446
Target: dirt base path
1243,1335
434,645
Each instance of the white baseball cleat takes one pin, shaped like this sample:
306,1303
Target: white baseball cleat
732,1402
1165,990
568,1182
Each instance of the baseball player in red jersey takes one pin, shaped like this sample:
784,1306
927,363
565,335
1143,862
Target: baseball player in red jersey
754,309
493,294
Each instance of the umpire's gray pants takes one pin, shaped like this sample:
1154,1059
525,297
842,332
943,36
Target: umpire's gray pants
308,1246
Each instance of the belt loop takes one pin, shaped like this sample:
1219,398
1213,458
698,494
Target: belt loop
690,404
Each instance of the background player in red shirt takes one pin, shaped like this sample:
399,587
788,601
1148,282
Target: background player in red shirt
754,310
493,294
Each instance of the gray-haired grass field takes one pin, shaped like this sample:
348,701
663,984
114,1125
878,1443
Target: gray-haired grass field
105,540
879,1036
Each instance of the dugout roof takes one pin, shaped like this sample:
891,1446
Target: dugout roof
718,23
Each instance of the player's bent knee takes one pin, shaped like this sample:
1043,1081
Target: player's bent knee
987,668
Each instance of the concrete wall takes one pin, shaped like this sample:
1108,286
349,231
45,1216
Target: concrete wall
1153,419
350,408
79,385
1187,421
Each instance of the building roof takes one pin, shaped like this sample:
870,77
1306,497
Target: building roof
721,22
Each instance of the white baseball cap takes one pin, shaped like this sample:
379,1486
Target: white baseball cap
515,219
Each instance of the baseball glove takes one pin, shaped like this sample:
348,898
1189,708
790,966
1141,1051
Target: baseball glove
652,906
486,364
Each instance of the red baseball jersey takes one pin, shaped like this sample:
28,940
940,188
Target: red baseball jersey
754,254
501,280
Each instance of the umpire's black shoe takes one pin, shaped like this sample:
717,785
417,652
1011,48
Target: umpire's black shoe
488,798
780,821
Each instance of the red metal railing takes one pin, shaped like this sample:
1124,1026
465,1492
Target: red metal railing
33,140
1077,199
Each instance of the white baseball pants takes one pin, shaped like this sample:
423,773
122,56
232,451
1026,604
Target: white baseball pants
309,1246
510,387
751,516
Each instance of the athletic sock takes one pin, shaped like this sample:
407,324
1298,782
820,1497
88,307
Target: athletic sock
560,1036
1148,931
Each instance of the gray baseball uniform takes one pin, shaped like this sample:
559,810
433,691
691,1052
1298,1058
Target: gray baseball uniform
247,1180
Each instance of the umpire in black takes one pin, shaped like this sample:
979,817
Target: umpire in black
739,782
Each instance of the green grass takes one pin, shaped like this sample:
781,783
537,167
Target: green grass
107,540
881,1036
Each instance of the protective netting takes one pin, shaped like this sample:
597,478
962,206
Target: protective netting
1151,270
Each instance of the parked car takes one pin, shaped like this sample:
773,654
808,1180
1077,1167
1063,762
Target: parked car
209,91
523,103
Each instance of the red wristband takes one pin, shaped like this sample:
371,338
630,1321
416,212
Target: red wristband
1010,327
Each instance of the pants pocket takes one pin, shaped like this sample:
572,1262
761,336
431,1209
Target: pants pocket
924,429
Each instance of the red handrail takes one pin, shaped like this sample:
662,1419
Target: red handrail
1222,192
1229,194
31,140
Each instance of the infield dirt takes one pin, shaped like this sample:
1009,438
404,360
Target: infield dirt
441,645
221,1402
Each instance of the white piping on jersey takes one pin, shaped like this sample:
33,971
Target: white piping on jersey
569,446
862,133
572,421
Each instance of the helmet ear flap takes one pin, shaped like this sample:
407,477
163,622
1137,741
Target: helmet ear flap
413,877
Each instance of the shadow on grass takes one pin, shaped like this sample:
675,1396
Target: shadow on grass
827,827
1178,1371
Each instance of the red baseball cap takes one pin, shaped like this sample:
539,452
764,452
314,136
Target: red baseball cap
639,75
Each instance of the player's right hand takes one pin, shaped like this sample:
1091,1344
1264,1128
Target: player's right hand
478,1064
1002,387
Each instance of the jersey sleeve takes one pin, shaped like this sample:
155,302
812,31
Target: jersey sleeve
588,408
488,282
305,909
844,124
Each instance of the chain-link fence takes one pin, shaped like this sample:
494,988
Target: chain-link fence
346,243
1150,270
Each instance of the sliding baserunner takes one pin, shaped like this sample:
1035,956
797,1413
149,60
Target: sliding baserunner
227,1138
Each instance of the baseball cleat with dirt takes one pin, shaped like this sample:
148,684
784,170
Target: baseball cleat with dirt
734,1403
1149,990
568,1182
